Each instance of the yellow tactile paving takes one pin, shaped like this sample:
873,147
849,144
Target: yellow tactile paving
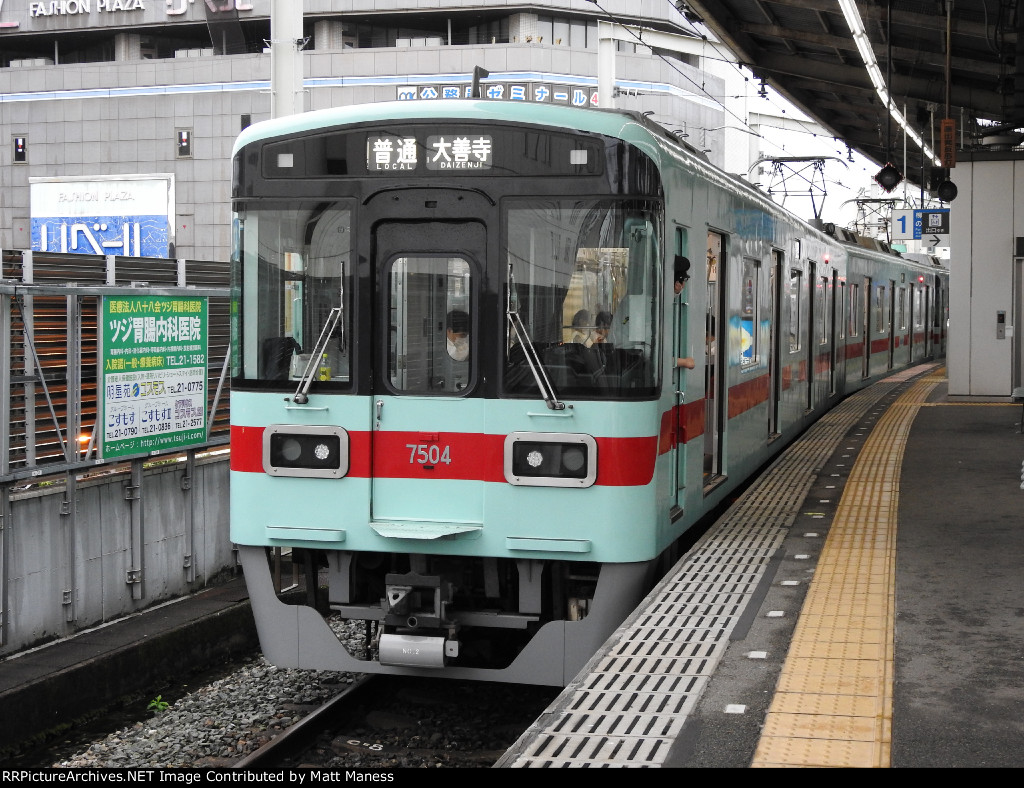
837,683
833,702
785,751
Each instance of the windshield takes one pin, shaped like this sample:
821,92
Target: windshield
583,277
293,268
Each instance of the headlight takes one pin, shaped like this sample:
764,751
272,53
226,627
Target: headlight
293,450
550,459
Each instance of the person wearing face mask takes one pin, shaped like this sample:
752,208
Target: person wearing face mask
458,335
457,345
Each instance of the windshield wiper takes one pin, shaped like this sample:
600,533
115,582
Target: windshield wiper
300,396
547,391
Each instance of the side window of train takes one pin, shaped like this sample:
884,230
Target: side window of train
901,306
429,310
796,311
750,310
854,309
821,309
881,316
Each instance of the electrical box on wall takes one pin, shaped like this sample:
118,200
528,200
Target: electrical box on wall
184,143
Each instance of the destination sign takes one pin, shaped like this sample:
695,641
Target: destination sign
448,152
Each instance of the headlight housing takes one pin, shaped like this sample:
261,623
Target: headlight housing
299,450
547,459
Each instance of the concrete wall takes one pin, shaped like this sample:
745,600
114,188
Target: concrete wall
67,567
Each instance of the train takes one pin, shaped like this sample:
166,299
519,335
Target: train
493,361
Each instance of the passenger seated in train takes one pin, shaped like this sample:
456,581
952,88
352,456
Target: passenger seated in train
581,328
603,324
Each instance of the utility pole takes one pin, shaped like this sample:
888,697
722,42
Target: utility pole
287,96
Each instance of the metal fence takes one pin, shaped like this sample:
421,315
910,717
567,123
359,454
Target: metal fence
49,340
83,539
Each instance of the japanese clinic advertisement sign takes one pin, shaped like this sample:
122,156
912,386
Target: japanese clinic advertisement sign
154,360
125,215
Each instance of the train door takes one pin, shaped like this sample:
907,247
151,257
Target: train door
714,372
921,318
830,325
774,342
839,346
823,358
899,323
926,320
942,314
814,301
891,307
866,328
426,279
797,318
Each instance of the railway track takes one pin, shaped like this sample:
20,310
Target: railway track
384,722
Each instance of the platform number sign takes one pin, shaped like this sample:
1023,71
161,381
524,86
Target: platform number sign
930,226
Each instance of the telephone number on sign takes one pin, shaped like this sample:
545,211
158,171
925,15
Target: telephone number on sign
149,429
122,432
185,386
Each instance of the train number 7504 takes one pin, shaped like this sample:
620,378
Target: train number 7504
430,454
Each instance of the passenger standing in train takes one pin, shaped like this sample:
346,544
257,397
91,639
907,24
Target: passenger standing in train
681,275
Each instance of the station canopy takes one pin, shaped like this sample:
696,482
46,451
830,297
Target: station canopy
954,70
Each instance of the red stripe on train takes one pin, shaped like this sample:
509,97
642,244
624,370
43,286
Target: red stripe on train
453,455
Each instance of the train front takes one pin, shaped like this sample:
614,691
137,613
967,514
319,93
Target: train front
446,381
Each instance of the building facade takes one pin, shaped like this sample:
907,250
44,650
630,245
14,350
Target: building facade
118,116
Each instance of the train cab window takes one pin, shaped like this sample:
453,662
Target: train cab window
583,288
430,333
293,315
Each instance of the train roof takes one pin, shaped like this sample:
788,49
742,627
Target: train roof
629,125
624,124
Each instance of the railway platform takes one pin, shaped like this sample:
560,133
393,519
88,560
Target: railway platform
860,605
